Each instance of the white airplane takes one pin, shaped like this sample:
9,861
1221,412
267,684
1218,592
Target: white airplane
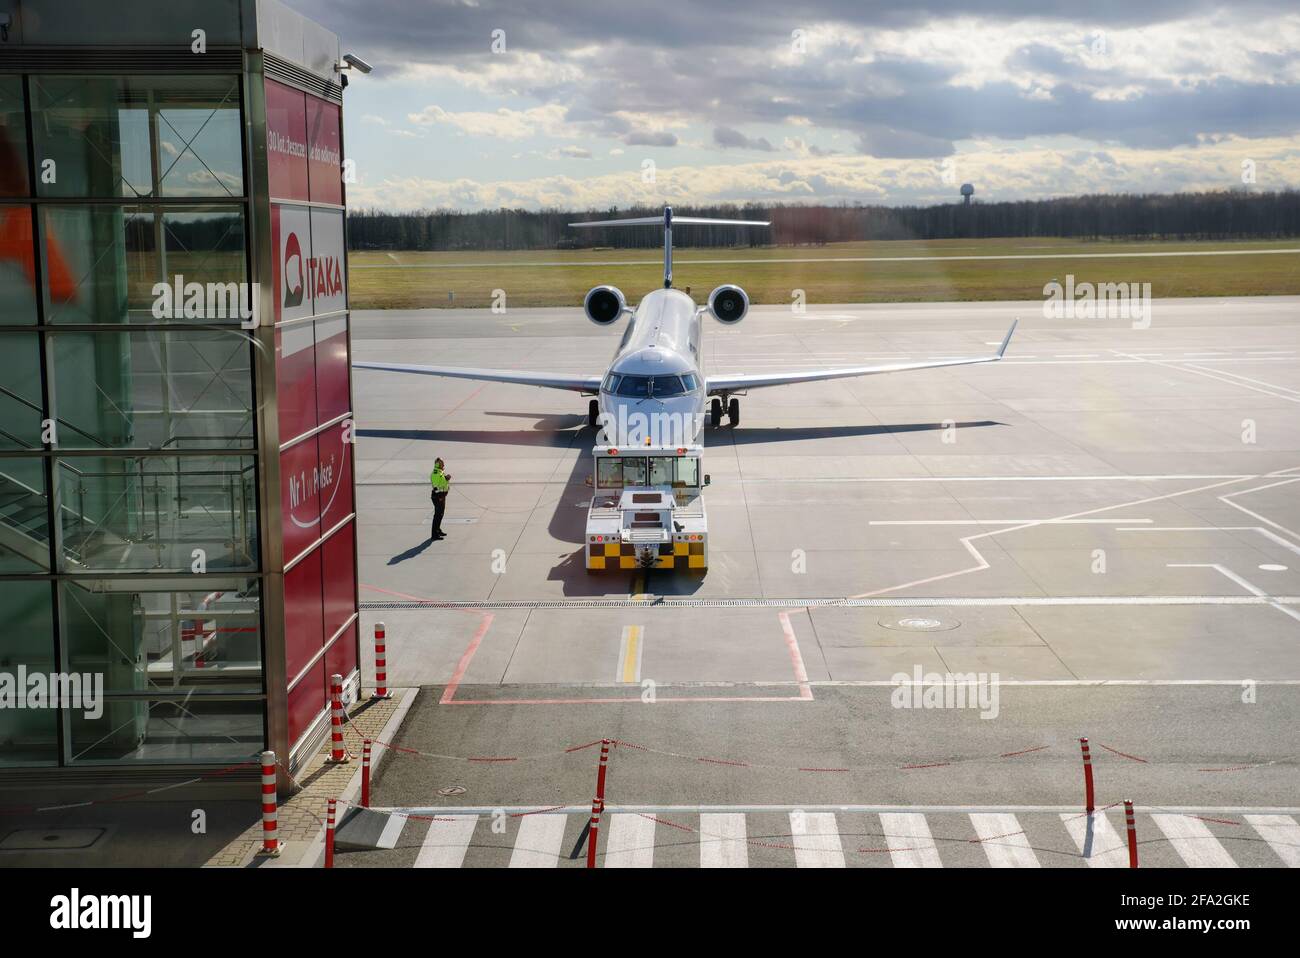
659,360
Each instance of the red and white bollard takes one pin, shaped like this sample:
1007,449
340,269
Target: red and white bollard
329,833
381,665
338,754
270,838
365,774
597,803
1132,834
1087,775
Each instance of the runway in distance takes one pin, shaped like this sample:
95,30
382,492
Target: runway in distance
657,377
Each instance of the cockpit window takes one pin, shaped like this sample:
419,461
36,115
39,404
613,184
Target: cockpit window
668,386
611,382
692,382
637,387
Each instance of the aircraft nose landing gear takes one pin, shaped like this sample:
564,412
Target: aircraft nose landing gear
593,413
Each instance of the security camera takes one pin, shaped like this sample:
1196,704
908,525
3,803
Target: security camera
355,62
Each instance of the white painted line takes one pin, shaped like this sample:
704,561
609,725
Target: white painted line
1001,522
1098,842
446,841
1282,834
1253,589
538,843
909,840
392,831
816,840
1003,840
722,840
1258,382
631,842
1194,842
1065,811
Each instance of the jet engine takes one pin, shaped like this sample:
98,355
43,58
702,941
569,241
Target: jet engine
728,304
604,304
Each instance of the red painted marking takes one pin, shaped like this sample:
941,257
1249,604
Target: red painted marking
823,770
1132,758
461,667
723,761
1024,751
931,765
796,658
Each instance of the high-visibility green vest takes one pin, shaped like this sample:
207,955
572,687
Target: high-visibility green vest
440,483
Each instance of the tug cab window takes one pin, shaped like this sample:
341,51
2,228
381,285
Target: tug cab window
609,473
688,473
661,471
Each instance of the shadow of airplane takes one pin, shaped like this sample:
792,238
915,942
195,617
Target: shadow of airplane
567,522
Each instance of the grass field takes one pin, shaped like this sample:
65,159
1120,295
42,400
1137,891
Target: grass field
834,273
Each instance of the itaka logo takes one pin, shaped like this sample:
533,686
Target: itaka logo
327,278
293,284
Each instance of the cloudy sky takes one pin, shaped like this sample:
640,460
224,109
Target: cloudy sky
580,104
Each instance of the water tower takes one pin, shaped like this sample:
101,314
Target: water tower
967,190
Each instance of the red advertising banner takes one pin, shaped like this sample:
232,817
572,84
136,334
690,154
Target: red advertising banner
333,397
324,151
295,376
300,497
286,141
328,263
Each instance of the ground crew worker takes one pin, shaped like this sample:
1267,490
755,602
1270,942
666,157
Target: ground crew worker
441,483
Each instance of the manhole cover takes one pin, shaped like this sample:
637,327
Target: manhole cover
36,839
451,790
920,623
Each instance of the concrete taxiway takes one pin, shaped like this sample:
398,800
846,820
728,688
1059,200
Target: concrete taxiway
1107,522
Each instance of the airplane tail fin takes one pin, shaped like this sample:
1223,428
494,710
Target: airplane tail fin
667,221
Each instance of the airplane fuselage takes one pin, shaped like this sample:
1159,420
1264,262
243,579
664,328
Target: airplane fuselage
656,379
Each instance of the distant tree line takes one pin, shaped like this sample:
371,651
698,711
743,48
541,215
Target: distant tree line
1214,215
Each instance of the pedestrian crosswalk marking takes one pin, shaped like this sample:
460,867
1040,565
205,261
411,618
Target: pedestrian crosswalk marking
1193,841
631,842
446,842
1003,840
392,831
1282,834
722,840
816,839
909,840
1097,841
538,843
720,836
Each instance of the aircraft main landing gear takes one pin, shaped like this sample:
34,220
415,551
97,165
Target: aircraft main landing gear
715,413
733,412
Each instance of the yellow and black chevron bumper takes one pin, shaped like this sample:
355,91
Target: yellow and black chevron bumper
622,555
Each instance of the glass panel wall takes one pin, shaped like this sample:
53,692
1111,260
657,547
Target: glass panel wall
127,446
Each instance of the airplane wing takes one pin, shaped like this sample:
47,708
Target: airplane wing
581,384
730,383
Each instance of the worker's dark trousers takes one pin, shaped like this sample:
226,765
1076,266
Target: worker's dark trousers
439,507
